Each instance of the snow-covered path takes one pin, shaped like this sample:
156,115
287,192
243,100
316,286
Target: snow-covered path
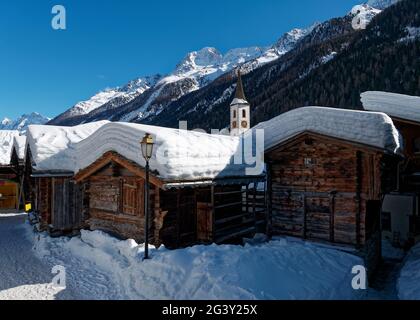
22,274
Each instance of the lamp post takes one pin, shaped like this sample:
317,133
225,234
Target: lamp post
147,151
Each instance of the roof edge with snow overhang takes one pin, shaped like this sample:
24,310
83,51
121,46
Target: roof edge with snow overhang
371,129
397,106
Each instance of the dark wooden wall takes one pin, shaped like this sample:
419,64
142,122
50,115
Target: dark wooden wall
42,200
59,203
67,205
320,188
116,203
410,132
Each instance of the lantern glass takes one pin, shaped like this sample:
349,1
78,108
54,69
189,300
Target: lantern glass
147,147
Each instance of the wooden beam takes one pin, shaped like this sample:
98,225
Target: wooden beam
111,157
309,134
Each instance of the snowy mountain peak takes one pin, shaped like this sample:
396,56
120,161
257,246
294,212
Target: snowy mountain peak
127,93
6,122
205,57
289,39
22,123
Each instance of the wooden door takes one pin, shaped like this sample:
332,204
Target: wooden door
317,223
8,195
132,198
67,205
204,222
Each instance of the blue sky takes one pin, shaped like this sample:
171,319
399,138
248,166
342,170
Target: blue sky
109,42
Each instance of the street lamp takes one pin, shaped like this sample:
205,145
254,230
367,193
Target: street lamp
147,151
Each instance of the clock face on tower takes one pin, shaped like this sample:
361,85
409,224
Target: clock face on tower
244,124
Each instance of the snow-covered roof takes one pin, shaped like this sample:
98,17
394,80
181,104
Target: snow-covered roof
367,128
19,144
6,144
237,101
395,105
51,146
178,154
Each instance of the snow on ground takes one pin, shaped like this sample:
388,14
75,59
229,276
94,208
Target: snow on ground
391,252
276,270
370,128
99,266
22,275
409,280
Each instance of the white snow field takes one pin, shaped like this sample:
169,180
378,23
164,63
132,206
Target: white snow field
102,267
409,281
22,275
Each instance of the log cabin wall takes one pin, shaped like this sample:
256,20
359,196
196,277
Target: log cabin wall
320,189
42,200
116,203
217,213
181,215
67,205
409,179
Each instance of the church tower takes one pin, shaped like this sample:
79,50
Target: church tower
240,117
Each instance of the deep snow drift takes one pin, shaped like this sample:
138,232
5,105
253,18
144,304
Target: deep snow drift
409,280
281,269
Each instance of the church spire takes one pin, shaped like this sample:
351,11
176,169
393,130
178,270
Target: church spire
239,110
239,87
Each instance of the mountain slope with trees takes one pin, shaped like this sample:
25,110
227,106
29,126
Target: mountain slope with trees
330,67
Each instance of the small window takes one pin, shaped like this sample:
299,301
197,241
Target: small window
234,113
243,113
234,125
309,162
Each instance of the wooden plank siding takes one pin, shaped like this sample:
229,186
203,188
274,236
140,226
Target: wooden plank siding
116,205
319,189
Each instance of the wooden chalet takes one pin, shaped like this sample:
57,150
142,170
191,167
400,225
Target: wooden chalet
10,172
48,177
202,199
328,170
401,219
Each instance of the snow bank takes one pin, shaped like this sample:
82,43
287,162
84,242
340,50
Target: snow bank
369,128
178,154
6,144
408,285
51,145
395,105
275,270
